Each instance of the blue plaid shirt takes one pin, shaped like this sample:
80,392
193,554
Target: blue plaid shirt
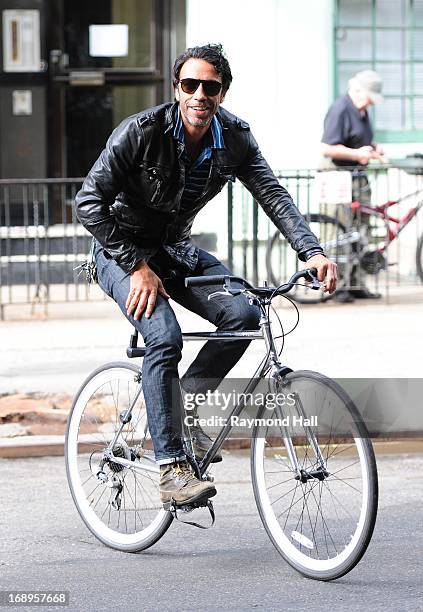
196,176
197,173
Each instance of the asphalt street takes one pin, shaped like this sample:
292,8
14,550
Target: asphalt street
233,566
55,355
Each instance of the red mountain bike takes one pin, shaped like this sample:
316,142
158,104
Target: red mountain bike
357,248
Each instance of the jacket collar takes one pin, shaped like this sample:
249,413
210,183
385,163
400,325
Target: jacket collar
169,121
171,113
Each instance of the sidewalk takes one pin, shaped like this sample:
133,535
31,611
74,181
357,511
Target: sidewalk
53,356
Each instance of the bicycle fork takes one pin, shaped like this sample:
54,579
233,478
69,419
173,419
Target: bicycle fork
320,472
303,475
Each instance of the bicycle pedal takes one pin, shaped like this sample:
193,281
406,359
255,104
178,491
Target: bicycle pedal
172,505
205,503
194,505
190,457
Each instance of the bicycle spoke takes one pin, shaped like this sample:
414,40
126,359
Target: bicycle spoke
347,483
296,502
136,513
279,483
104,490
292,499
323,520
334,497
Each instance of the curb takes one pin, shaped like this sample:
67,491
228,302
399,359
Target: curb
32,446
48,446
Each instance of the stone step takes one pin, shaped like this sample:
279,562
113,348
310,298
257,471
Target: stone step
51,260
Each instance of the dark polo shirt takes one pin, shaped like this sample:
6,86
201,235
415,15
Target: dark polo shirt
344,124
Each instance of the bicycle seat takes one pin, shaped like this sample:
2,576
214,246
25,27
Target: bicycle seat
133,350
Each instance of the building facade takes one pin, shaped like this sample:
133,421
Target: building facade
71,70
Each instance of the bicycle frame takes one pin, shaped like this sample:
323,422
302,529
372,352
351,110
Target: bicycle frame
381,212
270,364
352,236
111,467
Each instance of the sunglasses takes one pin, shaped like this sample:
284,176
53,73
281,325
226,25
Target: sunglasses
190,86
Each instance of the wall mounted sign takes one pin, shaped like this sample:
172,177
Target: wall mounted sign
21,41
108,40
22,102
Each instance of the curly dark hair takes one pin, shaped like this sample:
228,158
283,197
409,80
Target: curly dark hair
210,53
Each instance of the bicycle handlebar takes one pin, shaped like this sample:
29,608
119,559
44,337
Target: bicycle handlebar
309,274
217,279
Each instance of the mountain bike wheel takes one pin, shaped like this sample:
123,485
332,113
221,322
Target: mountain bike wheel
322,521
120,505
282,261
419,258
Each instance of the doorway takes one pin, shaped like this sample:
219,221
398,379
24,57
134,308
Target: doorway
109,59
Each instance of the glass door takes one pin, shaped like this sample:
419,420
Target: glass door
108,61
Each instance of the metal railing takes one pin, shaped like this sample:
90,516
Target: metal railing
42,242
250,230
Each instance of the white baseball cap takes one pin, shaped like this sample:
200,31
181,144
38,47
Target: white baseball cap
371,83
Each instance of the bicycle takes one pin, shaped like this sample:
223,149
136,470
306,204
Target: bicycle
315,481
351,248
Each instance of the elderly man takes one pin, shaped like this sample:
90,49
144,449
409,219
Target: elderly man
139,200
347,143
348,135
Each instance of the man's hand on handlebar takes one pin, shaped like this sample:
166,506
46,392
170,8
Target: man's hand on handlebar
145,285
326,271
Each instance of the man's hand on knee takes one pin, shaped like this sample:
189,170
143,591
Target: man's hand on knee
326,271
145,285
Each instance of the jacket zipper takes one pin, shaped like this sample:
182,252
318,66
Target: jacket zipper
157,191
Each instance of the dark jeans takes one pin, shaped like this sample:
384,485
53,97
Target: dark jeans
163,340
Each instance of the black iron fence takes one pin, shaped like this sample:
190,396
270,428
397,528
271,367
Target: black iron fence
330,193
42,242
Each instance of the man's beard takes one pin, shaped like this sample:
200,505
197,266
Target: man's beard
199,122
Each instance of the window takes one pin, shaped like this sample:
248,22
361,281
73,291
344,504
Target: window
386,36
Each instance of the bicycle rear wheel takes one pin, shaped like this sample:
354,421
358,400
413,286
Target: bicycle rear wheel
282,261
321,522
120,505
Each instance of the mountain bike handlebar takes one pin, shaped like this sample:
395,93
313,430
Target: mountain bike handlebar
309,274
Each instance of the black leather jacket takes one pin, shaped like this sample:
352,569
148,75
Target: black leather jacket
130,200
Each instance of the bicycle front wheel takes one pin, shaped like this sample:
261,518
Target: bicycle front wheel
119,504
321,513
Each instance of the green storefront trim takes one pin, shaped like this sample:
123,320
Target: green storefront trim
399,136
386,136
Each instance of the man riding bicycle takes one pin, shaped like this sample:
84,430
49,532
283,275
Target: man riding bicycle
139,200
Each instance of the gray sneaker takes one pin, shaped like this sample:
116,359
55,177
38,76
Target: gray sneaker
178,482
201,443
